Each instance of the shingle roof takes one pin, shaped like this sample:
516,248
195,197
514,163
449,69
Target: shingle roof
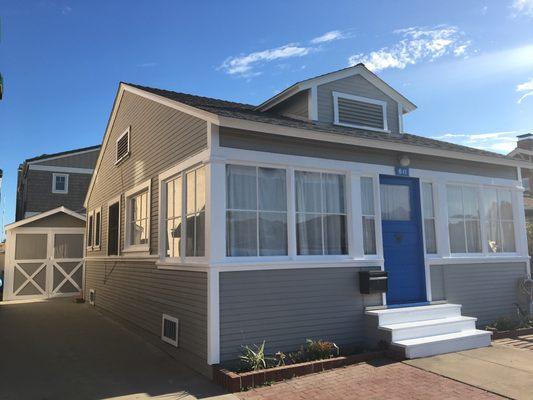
248,112
45,156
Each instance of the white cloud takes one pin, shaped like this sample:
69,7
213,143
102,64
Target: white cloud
147,64
522,7
328,37
526,87
66,10
417,44
501,142
243,65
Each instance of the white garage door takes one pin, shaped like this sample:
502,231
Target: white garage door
44,264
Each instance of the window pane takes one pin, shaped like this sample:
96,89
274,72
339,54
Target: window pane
133,209
272,234
369,235
308,191
190,192
455,202
176,237
333,190
309,234
508,237
367,196
395,202
90,231
170,243
272,189
470,202
189,239
506,205
494,239
170,199
457,236
427,200
491,204
241,233
200,235
241,187
429,230
473,236
335,234
97,229
200,189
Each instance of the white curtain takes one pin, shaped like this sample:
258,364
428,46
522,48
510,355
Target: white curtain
395,202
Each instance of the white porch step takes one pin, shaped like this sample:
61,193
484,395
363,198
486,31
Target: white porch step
431,327
413,314
447,343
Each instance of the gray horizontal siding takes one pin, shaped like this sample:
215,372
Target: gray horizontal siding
285,307
84,160
39,196
248,140
486,291
140,293
59,220
160,137
296,105
358,86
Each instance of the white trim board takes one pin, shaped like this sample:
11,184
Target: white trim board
52,168
44,215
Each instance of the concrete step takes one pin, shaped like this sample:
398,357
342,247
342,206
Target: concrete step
432,327
446,343
391,316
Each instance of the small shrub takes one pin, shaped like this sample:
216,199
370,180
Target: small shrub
315,350
504,324
255,359
280,358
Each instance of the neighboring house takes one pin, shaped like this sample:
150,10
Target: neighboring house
214,224
524,152
54,180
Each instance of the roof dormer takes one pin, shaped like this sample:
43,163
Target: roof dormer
353,97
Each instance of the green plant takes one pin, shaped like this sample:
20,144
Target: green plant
255,359
525,320
280,358
504,324
315,350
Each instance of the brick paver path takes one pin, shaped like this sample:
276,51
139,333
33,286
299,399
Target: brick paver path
521,342
378,380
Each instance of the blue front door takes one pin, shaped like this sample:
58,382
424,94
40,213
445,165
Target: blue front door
402,239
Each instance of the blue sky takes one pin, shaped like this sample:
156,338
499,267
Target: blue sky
467,65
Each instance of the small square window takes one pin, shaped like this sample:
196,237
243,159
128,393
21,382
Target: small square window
60,183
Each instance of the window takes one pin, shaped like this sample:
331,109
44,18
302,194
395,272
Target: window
188,187
60,183
525,182
90,230
256,216
395,202
359,112
97,227
463,219
123,146
113,228
369,216
138,218
320,213
499,220
428,211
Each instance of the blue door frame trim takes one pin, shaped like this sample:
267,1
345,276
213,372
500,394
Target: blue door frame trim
404,258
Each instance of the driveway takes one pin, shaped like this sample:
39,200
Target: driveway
60,350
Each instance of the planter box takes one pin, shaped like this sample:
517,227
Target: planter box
236,382
510,334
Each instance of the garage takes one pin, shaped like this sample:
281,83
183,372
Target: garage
44,256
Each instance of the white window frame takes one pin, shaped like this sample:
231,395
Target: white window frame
109,204
142,187
499,220
164,179
434,218
57,191
97,213
126,132
383,104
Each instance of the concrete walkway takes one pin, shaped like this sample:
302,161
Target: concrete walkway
56,350
500,369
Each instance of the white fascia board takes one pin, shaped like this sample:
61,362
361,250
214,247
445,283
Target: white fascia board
53,168
44,215
364,142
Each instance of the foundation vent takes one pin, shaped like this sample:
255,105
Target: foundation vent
169,330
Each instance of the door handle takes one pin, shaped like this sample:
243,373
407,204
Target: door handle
398,237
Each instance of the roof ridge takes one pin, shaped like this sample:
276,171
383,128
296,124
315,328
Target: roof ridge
61,153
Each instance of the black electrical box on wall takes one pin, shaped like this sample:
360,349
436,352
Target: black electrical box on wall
373,282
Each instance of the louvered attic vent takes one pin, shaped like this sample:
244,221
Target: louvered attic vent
123,145
169,330
359,112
